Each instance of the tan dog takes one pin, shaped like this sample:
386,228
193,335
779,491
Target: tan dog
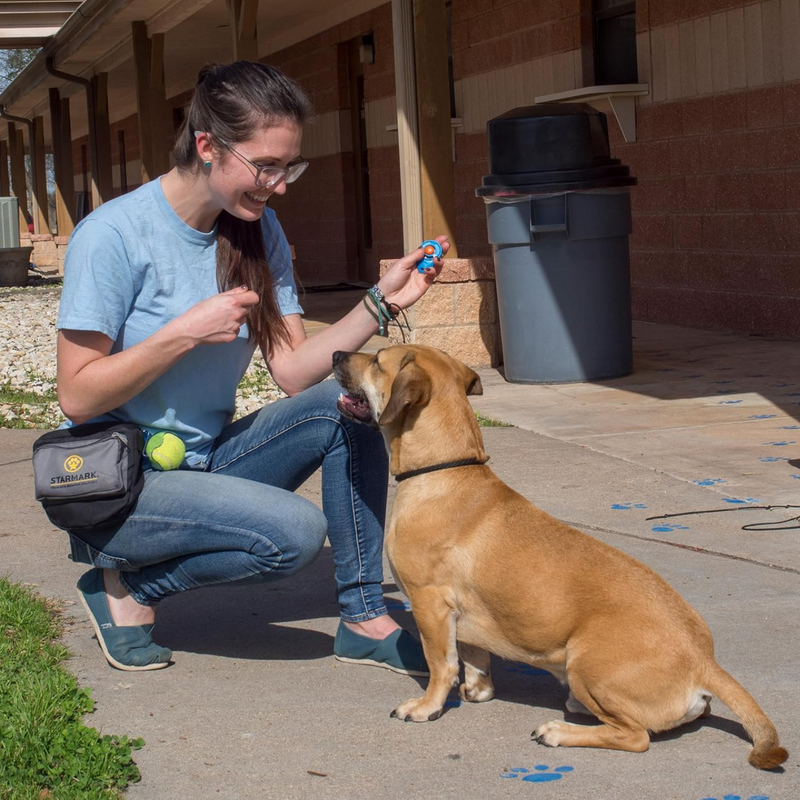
486,571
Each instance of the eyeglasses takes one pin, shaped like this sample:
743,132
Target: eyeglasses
267,176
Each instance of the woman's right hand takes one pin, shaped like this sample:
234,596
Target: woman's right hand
217,320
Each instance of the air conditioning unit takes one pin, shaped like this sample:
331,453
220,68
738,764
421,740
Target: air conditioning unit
9,222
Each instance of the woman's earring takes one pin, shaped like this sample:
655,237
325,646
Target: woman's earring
207,164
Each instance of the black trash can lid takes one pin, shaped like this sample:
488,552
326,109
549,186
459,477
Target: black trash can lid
551,147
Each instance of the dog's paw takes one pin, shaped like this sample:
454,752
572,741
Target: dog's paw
479,693
417,710
551,733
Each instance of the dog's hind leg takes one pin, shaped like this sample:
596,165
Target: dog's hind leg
612,736
436,621
477,686
618,730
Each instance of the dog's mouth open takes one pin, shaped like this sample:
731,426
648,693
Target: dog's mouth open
355,407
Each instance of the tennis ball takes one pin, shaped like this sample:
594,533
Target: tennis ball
165,451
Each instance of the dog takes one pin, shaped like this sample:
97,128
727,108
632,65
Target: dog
488,572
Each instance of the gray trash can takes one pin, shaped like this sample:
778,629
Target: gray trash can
559,216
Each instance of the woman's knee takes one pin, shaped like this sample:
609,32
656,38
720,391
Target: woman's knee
295,545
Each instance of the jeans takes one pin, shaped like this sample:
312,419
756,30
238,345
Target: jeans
240,521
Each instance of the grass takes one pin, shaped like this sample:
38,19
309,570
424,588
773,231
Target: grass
488,422
26,409
46,751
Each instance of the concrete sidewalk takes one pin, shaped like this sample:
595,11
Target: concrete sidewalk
255,706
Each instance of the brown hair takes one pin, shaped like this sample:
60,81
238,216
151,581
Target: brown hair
230,102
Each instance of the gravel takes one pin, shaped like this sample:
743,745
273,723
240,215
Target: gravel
28,362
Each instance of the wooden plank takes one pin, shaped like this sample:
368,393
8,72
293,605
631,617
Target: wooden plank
407,127
104,179
19,186
141,62
154,115
702,43
41,218
243,16
433,110
5,180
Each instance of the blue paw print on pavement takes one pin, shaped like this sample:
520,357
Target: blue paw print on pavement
779,444
739,797
739,501
626,506
789,427
729,402
762,416
669,527
393,604
772,459
709,481
797,477
726,391
525,669
540,773
453,700
721,382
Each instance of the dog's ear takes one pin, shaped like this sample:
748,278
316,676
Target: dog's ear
472,383
411,386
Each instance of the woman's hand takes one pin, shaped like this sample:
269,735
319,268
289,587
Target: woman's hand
403,284
217,319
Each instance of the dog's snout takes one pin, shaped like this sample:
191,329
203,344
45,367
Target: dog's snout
338,356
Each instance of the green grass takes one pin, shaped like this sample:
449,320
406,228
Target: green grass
488,422
30,409
45,749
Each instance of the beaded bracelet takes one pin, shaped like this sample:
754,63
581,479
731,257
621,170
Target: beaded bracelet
384,312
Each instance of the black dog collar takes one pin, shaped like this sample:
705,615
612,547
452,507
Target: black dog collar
466,462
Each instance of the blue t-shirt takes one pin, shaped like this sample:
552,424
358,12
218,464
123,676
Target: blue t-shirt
132,266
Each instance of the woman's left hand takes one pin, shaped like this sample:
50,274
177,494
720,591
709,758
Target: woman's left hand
403,284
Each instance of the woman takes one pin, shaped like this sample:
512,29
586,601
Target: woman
167,292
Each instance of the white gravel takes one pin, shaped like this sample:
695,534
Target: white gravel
28,360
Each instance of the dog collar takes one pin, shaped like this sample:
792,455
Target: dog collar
465,462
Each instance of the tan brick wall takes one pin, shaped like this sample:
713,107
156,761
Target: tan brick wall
458,314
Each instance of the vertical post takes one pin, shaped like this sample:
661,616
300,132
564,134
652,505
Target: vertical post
5,183
19,187
41,217
148,57
123,162
406,90
103,135
243,16
433,108
62,162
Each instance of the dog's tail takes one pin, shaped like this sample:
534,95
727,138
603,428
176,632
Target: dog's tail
767,752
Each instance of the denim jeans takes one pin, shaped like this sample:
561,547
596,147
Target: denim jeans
240,521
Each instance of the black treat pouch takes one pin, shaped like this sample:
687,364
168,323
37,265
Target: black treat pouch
89,477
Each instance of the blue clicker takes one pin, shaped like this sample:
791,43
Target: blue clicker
432,249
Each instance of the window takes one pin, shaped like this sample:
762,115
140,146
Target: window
615,42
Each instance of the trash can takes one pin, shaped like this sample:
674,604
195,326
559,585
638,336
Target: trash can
558,214
14,265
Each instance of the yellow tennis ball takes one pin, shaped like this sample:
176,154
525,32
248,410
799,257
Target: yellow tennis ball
165,451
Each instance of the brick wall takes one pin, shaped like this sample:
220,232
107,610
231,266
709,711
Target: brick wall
716,239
